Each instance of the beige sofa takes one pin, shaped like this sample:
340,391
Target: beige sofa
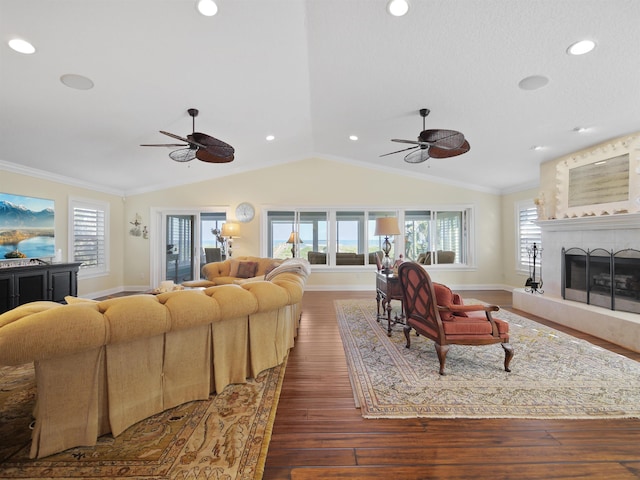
443,256
103,366
236,270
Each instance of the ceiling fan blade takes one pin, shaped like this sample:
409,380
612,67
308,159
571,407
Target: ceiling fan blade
437,152
212,148
414,142
173,135
398,151
172,145
205,155
418,156
445,139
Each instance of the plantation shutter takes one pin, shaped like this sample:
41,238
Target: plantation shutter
529,233
89,237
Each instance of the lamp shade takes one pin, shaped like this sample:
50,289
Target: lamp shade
294,238
387,226
230,229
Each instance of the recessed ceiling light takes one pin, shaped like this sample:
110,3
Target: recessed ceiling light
537,148
580,129
22,46
398,8
581,47
270,138
534,82
78,82
353,137
208,8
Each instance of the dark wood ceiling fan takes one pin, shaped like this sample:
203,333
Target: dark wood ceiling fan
436,143
197,145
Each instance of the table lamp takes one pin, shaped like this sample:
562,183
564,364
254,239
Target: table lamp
229,231
293,239
387,226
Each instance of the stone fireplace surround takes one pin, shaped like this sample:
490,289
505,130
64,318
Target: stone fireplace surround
610,232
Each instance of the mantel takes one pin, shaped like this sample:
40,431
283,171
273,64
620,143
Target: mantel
596,222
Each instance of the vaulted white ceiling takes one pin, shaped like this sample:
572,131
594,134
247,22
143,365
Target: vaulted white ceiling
312,73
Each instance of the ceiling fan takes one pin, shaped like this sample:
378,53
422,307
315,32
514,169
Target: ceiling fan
197,145
436,143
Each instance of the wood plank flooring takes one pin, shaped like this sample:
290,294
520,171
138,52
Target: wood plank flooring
319,434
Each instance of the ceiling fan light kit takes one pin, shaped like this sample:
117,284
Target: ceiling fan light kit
197,145
433,143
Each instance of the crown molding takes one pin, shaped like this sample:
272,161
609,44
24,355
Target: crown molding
52,177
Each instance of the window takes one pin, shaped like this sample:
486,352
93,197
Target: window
528,234
346,237
417,234
449,236
88,236
281,224
313,233
350,232
436,237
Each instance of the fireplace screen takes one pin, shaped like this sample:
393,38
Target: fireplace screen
603,278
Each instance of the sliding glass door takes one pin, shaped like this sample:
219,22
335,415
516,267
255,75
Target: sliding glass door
182,242
179,248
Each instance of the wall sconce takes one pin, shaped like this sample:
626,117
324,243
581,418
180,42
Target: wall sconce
230,230
387,226
294,238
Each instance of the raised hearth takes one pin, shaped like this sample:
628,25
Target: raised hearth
608,233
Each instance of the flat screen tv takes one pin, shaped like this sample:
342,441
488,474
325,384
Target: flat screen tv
26,227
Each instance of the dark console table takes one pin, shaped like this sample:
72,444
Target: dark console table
19,285
388,288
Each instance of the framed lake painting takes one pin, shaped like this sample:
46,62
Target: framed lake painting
26,227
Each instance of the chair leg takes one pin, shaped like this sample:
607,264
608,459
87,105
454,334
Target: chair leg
442,350
508,355
407,335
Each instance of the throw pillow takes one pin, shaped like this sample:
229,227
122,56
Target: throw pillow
234,264
246,269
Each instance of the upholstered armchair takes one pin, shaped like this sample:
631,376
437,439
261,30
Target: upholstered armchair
433,310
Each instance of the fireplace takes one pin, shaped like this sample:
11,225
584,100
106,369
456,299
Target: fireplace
602,278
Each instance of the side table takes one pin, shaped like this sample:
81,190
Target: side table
388,288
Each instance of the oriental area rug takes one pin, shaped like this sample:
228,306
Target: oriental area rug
553,375
224,437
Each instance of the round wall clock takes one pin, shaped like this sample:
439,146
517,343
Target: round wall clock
245,212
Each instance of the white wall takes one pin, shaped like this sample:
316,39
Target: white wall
312,182
325,183
20,184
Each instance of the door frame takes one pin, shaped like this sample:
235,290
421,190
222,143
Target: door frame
157,232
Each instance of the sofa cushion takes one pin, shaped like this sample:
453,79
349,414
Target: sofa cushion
317,258
444,298
247,269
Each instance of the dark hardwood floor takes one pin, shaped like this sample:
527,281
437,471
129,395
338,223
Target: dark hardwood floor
319,434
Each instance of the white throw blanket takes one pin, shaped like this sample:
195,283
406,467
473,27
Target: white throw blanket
295,265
